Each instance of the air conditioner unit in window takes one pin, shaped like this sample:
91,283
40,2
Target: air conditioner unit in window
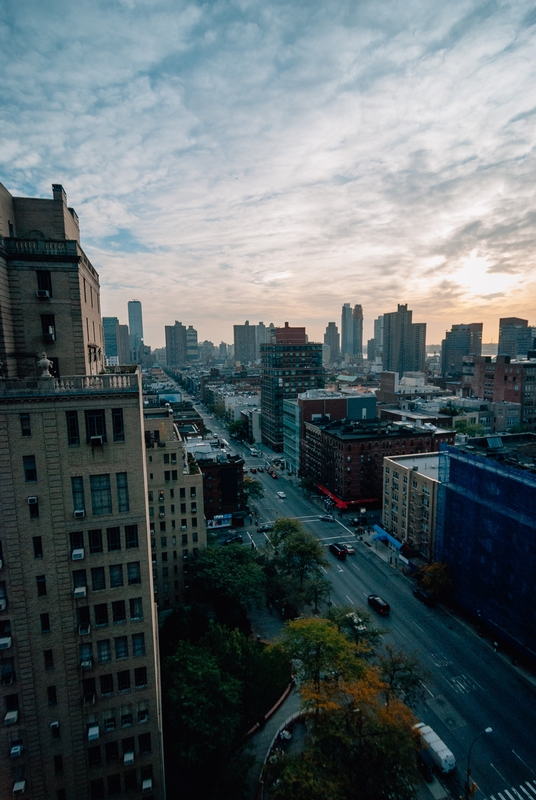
147,785
87,663
19,787
84,630
32,501
43,293
79,514
5,642
78,554
93,733
183,528
11,717
16,751
95,440
128,758
54,726
80,591
3,603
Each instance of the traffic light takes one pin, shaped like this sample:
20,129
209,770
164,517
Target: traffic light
472,789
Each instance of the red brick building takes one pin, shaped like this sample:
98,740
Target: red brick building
507,379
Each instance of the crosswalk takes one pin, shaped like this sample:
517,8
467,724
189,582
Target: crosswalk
525,791
462,684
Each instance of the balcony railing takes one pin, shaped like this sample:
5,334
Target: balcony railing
107,382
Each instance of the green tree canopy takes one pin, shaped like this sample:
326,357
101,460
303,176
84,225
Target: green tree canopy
227,574
253,487
402,676
435,578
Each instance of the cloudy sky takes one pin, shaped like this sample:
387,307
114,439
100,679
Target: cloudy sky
240,159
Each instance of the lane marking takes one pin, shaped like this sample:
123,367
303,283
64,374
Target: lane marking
427,689
350,599
419,627
518,756
498,773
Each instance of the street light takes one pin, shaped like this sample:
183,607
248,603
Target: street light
469,791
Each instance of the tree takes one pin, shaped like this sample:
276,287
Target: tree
253,488
283,528
302,555
238,429
227,575
316,589
468,428
319,650
402,676
435,578
356,624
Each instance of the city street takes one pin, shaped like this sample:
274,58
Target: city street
469,687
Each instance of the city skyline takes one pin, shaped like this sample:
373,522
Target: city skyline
268,162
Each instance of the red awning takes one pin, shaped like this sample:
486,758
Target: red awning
342,504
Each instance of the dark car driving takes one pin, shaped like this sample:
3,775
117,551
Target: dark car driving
338,550
378,604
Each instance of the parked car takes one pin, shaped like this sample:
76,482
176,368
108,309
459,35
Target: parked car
338,550
424,596
274,475
327,518
378,604
266,528
253,469
282,495
236,539
350,549
260,469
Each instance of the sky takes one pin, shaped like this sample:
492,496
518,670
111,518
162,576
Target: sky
239,159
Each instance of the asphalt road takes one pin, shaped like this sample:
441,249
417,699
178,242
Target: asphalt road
468,687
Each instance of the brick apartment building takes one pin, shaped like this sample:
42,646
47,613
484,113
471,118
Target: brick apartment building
507,379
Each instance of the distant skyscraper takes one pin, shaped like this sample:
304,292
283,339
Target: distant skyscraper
352,333
110,329
244,343
404,342
123,344
332,339
192,348
462,340
515,337
176,345
289,366
263,334
135,324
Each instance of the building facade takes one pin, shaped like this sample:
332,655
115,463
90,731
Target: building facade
80,684
404,342
288,367
245,343
332,339
460,341
135,324
506,379
516,338
352,333
176,345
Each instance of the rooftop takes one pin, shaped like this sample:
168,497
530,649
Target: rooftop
427,464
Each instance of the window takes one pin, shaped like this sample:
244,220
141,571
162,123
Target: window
33,508
114,785
136,608
127,717
116,575
98,579
107,685
143,712
96,789
101,494
48,657
112,752
44,281
41,585
25,427
109,721
79,578
194,522
117,425
58,765
104,651
52,696
37,546
118,612
130,780
79,501
113,536
133,573
174,475
83,620
45,623
138,644
95,424
122,492
167,475
184,538
131,537
166,458
140,677
48,327
101,614
164,556
162,526
95,541
193,508
30,469
121,647
182,492
123,685
94,755
73,433
144,742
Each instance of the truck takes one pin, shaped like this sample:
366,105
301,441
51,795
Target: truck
443,757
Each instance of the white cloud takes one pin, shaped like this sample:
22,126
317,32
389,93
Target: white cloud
242,160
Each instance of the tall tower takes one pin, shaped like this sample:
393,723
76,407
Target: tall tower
176,345
245,343
352,333
462,340
332,339
135,324
289,366
80,684
515,337
404,342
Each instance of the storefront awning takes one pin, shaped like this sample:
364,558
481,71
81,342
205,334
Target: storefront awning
345,504
383,536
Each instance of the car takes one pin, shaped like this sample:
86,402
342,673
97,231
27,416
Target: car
327,518
266,528
356,622
282,495
244,470
424,596
378,604
253,469
236,539
260,469
350,549
274,475
338,550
